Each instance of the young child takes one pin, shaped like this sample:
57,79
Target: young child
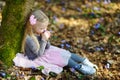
38,51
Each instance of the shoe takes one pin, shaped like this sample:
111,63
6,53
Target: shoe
88,63
86,70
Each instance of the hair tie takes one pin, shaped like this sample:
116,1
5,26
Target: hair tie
32,20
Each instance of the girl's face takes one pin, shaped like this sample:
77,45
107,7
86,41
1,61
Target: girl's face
39,28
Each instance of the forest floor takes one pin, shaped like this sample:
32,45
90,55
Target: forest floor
88,28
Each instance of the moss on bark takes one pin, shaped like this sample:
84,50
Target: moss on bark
12,29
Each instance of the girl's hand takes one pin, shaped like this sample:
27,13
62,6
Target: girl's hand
46,35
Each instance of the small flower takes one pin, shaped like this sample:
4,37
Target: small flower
119,33
102,48
105,2
92,32
98,1
55,18
63,9
79,9
61,26
63,3
42,78
32,20
97,26
109,1
48,1
68,45
72,70
92,15
107,66
62,45
87,5
17,74
63,41
22,75
97,49
2,74
96,8
101,19
51,31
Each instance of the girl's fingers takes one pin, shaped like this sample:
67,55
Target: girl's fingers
46,35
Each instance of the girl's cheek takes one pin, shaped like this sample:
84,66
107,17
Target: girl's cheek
40,31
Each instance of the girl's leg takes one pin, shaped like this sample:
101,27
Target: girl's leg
81,67
72,63
77,57
83,60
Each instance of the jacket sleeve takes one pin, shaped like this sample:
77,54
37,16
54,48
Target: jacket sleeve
42,47
48,42
48,45
33,47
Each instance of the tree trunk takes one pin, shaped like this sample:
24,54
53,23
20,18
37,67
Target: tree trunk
12,29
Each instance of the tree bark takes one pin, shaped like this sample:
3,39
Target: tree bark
12,29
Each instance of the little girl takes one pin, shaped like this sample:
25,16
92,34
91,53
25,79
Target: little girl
38,51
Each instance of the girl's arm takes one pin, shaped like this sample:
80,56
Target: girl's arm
42,47
48,42
30,43
47,45
44,42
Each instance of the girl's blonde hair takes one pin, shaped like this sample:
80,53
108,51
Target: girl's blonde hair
41,17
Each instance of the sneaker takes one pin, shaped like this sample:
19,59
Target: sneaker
86,70
88,63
